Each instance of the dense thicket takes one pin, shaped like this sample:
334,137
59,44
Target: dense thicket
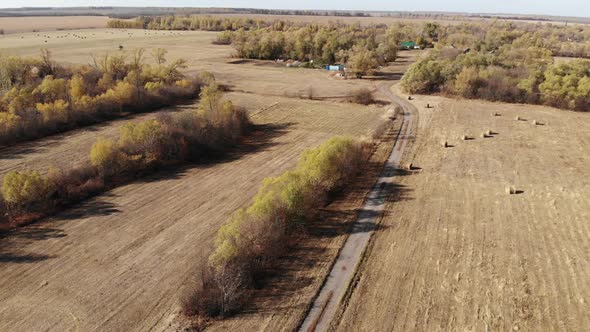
141,147
39,97
248,243
503,64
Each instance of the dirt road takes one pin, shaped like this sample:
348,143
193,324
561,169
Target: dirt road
327,302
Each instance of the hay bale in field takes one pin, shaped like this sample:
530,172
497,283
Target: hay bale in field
489,133
444,144
409,166
496,114
464,137
510,190
535,122
484,135
518,118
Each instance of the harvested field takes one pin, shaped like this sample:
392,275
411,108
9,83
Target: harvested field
119,249
456,252
119,261
48,23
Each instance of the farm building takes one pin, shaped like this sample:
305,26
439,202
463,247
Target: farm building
409,45
335,67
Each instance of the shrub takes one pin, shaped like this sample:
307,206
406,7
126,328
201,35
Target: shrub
106,157
25,188
223,38
362,96
54,112
143,139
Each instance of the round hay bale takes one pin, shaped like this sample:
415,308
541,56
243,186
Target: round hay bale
444,144
483,135
489,133
534,122
510,190
518,118
464,137
409,166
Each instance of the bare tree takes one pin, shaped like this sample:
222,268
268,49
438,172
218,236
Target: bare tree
159,55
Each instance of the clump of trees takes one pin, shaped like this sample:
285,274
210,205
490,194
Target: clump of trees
504,64
140,148
362,48
39,97
248,244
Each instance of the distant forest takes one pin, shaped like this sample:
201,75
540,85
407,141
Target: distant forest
130,12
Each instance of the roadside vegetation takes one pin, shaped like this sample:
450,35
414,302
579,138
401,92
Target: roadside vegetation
501,63
141,148
249,243
39,97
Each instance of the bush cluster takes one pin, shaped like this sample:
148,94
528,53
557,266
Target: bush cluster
142,146
515,70
39,97
248,243
362,96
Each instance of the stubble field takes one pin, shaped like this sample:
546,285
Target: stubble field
456,252
120,260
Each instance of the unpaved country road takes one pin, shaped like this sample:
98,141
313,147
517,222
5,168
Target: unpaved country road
326,304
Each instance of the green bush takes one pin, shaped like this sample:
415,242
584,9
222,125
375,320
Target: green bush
24,188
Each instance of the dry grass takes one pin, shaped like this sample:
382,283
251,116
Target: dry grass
44,23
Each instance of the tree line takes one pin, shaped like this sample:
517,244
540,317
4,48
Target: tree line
196,22
141,147
39,97
249,243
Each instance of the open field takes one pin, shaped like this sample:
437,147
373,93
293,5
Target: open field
48,23
119,261
457,253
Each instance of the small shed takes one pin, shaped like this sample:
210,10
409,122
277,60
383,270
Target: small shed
408,45
336,67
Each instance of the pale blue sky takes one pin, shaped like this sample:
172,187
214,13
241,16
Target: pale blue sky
580,8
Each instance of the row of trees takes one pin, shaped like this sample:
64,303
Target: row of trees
248,244
505,65
141,147
196,22
39,97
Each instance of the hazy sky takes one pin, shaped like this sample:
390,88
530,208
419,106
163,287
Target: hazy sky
547,7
